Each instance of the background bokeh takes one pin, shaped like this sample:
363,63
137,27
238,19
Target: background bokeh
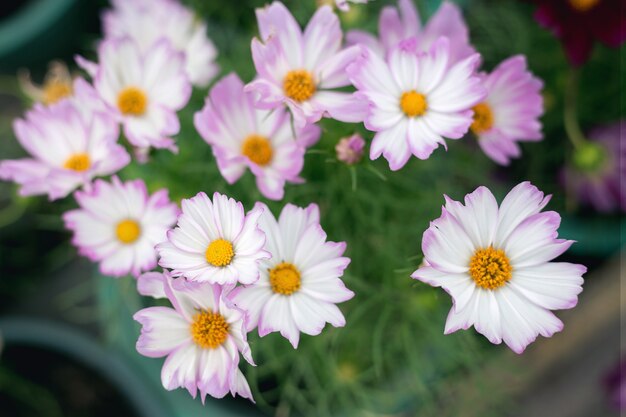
392,358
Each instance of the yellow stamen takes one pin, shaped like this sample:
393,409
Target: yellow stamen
128,231
490,268
132,101
220,253
483,118
413,103
209,330
258,149
583,5
299,85
285,278
55,90
78,162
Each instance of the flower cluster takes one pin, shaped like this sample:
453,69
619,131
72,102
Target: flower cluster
227,272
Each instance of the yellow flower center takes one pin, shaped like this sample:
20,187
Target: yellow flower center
299,85
413,103
128,231
258,149
220,252
483,118
490,268
209,330
583,5
78,162
55,90
132,101
285,278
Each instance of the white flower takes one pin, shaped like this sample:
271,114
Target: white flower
118,224
215,242
201,336
495,264
300,285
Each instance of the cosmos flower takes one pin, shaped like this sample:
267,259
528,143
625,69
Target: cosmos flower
202,337
344,5
398,24
596,175
579,23
68,146
300,70
57,84
214,242
245,137
300,285
350,150
415,99
147,22
118,224
143,89
510,112
495,262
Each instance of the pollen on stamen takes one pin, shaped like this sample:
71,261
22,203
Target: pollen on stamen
258,149
583,5
285,278
220,253
490,268
413,103
483,118
209,330
78,162
128,231
132,101
299,85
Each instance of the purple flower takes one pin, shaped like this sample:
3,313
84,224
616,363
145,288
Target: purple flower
597,172
350,150
510,112
579,23
243,136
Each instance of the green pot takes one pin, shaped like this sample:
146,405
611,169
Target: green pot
597,236
43,30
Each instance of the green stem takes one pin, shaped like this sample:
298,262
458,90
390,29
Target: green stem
570,114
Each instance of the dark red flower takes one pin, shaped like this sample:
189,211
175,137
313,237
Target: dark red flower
581,22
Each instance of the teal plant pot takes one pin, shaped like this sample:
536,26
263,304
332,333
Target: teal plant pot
43,30
597,237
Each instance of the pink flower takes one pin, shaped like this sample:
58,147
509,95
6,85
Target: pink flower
300,70
147,22
202,337
415,99
350,150
495,262
69,145
596,176
344,5
300,285
144,89
510,112
245,137
118,224
398,24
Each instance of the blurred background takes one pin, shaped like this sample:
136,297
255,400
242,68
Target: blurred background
67,335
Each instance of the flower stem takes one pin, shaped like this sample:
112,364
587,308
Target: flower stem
570,114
